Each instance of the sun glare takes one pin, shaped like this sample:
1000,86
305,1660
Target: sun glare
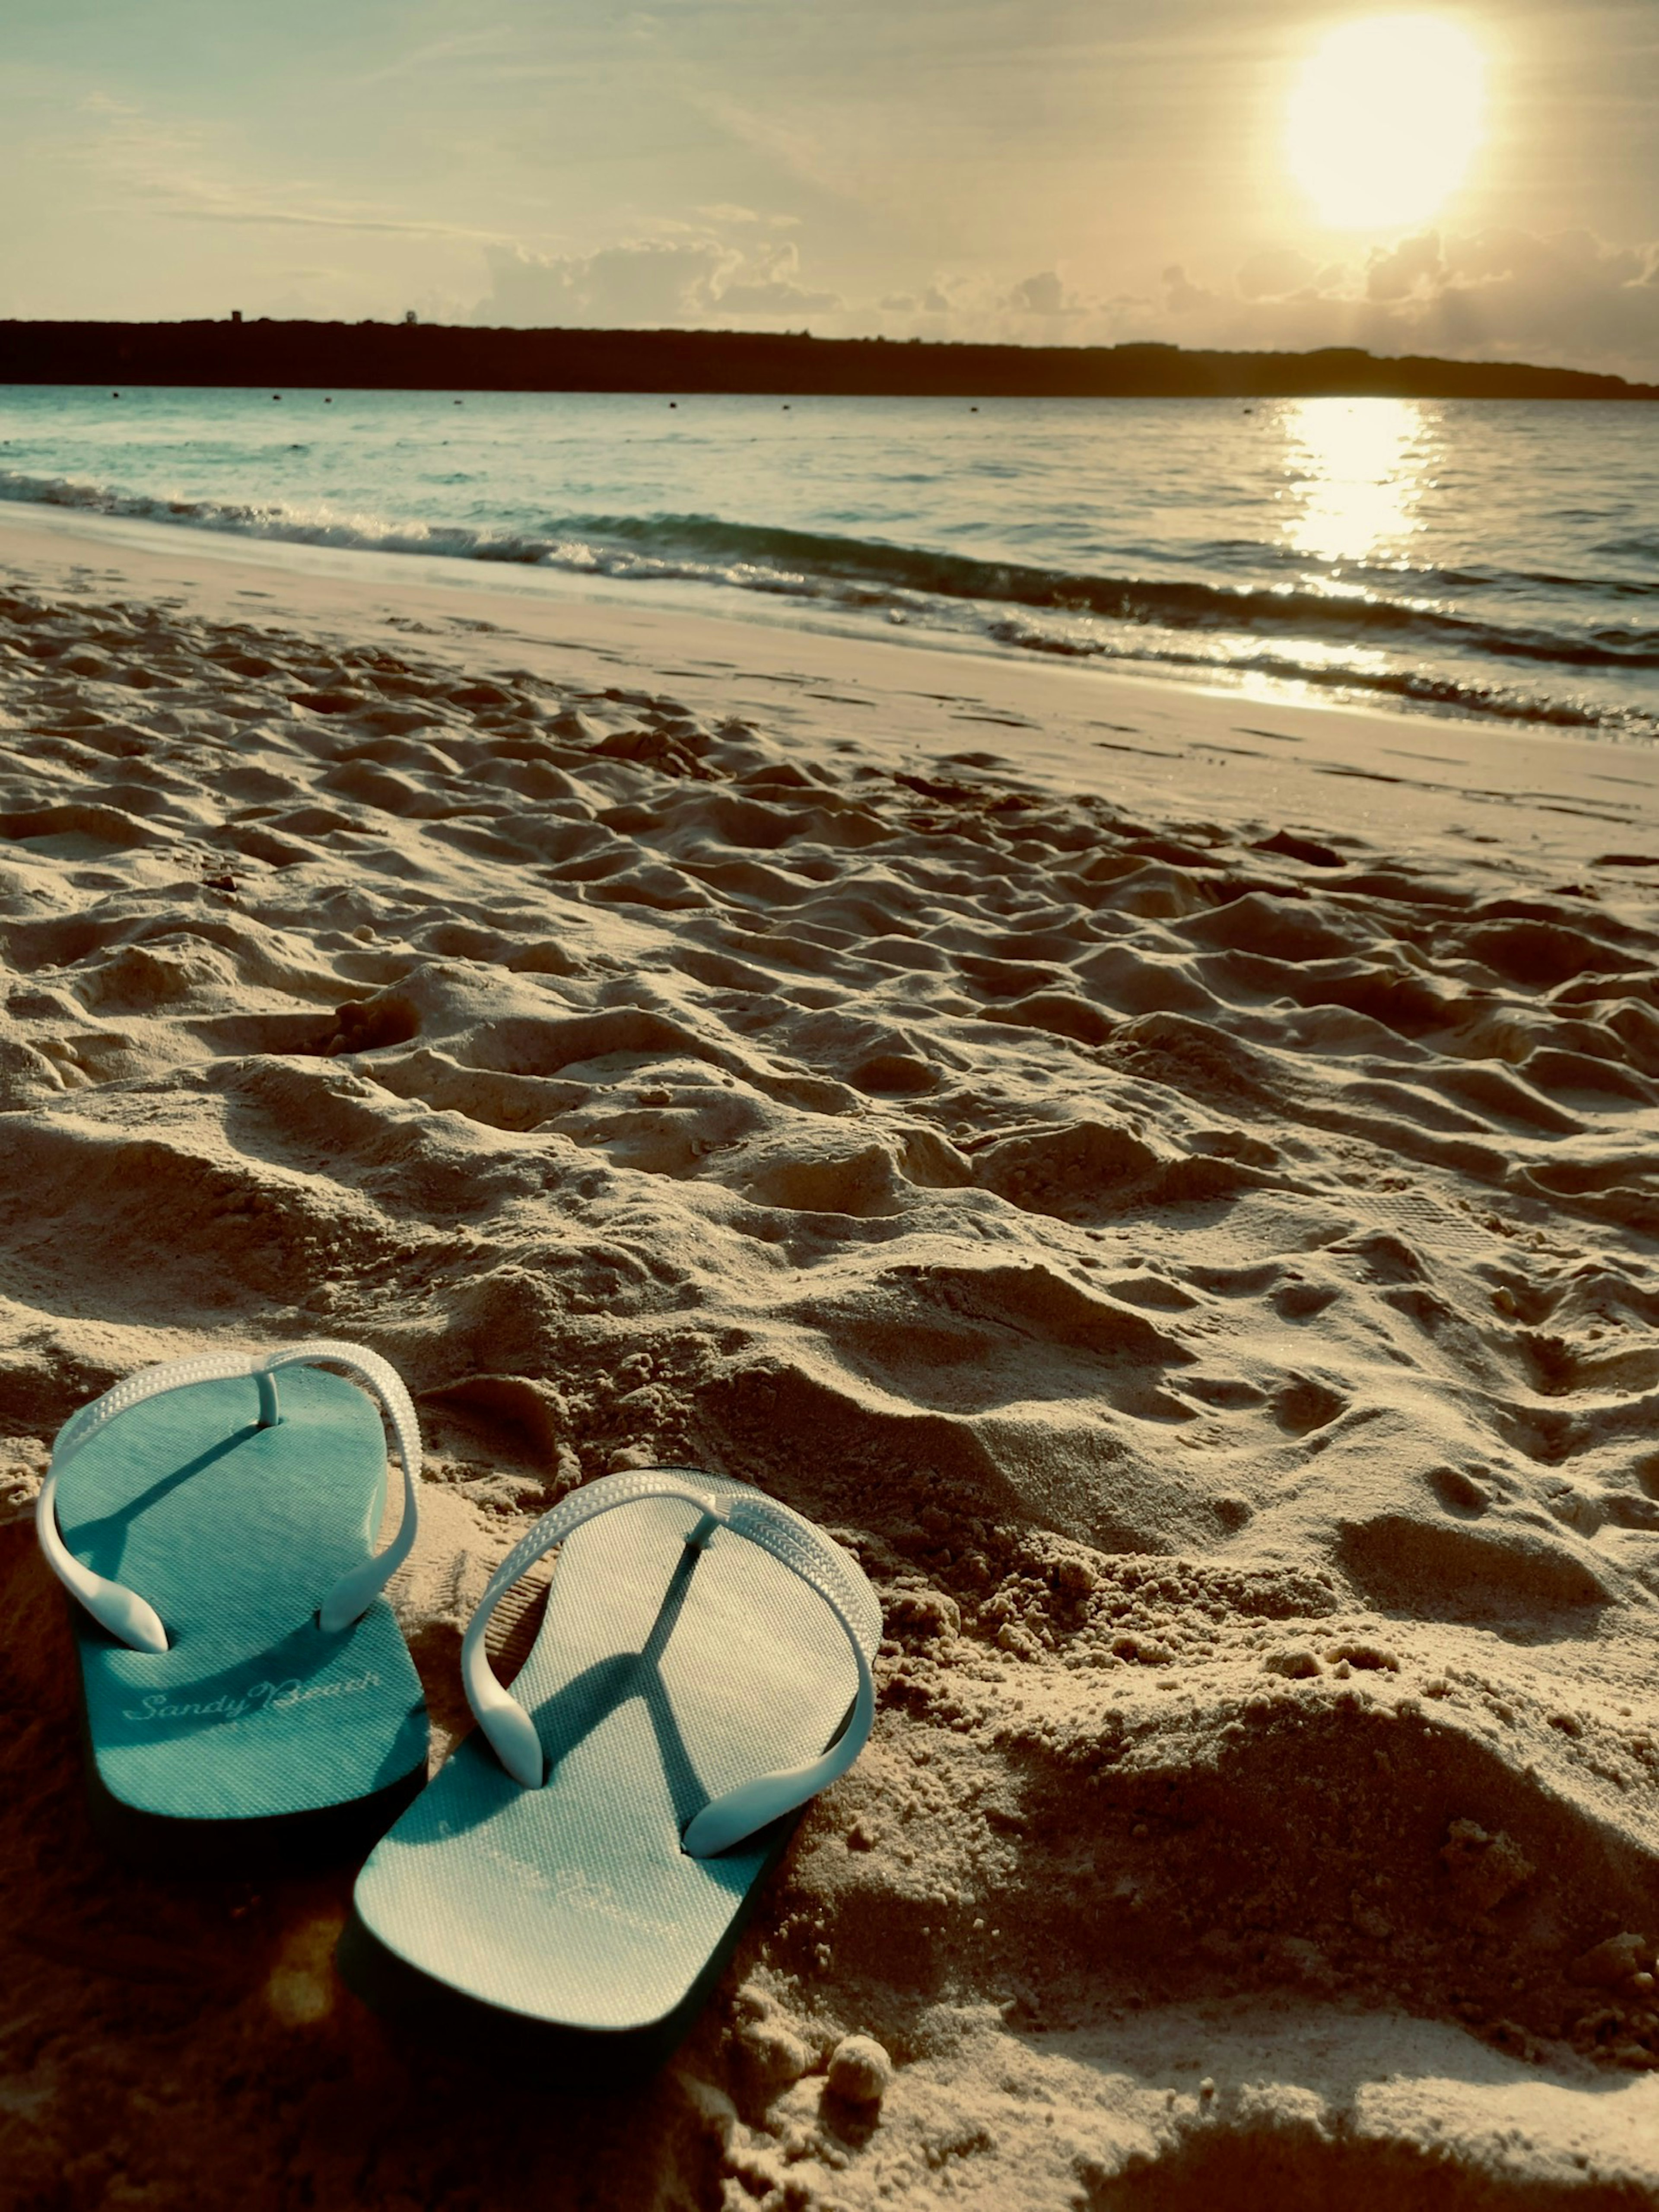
1385,119
1356,469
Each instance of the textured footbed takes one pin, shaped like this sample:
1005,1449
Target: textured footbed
235,1534
663,1675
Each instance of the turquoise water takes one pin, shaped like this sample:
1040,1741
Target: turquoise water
1470,556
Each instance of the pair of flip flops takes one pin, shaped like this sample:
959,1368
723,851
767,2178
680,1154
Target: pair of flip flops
577,1873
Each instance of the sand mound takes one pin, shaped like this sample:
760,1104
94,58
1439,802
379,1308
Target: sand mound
1206,1269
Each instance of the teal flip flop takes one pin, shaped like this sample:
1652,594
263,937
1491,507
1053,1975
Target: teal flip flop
247,1696
571,1884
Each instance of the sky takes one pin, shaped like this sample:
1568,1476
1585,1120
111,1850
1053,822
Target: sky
1050,171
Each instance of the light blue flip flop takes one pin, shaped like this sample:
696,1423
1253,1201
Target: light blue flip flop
247,1694
571,1883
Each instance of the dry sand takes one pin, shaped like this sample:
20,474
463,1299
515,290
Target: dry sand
1171,1180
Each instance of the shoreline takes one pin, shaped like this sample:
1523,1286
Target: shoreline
1421,625
1084,725
1167,1178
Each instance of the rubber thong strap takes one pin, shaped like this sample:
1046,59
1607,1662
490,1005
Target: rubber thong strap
126,1614
792,1541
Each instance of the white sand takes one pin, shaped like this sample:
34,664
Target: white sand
1209,1274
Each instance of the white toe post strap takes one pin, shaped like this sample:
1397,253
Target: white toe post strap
130,1617
793,1541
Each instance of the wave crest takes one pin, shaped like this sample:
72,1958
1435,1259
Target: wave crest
1180,623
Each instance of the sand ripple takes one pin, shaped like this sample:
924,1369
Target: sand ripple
1210,1278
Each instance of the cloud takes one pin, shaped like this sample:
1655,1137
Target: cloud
1569,298
765,284
1276,275
1182,297
1044,309
202,209
1414,268
448,54
649,283
1046,293
648,280
965,302
724,212
1571,295
183,172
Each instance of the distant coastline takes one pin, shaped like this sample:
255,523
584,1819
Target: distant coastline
447,357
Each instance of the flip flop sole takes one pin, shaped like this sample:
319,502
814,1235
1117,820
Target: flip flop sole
275,1844
428,2011
568,1919
254,1730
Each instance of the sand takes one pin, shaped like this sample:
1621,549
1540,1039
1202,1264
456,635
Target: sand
1170,1178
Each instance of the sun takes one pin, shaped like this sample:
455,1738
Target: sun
1385,119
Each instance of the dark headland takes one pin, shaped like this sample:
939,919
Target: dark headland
445,357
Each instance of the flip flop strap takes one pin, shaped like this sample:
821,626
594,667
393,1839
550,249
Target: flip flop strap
130,1617
792,1540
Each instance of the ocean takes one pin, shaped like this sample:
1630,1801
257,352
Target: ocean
1499,558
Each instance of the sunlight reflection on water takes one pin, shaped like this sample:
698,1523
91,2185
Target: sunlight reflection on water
1358,467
